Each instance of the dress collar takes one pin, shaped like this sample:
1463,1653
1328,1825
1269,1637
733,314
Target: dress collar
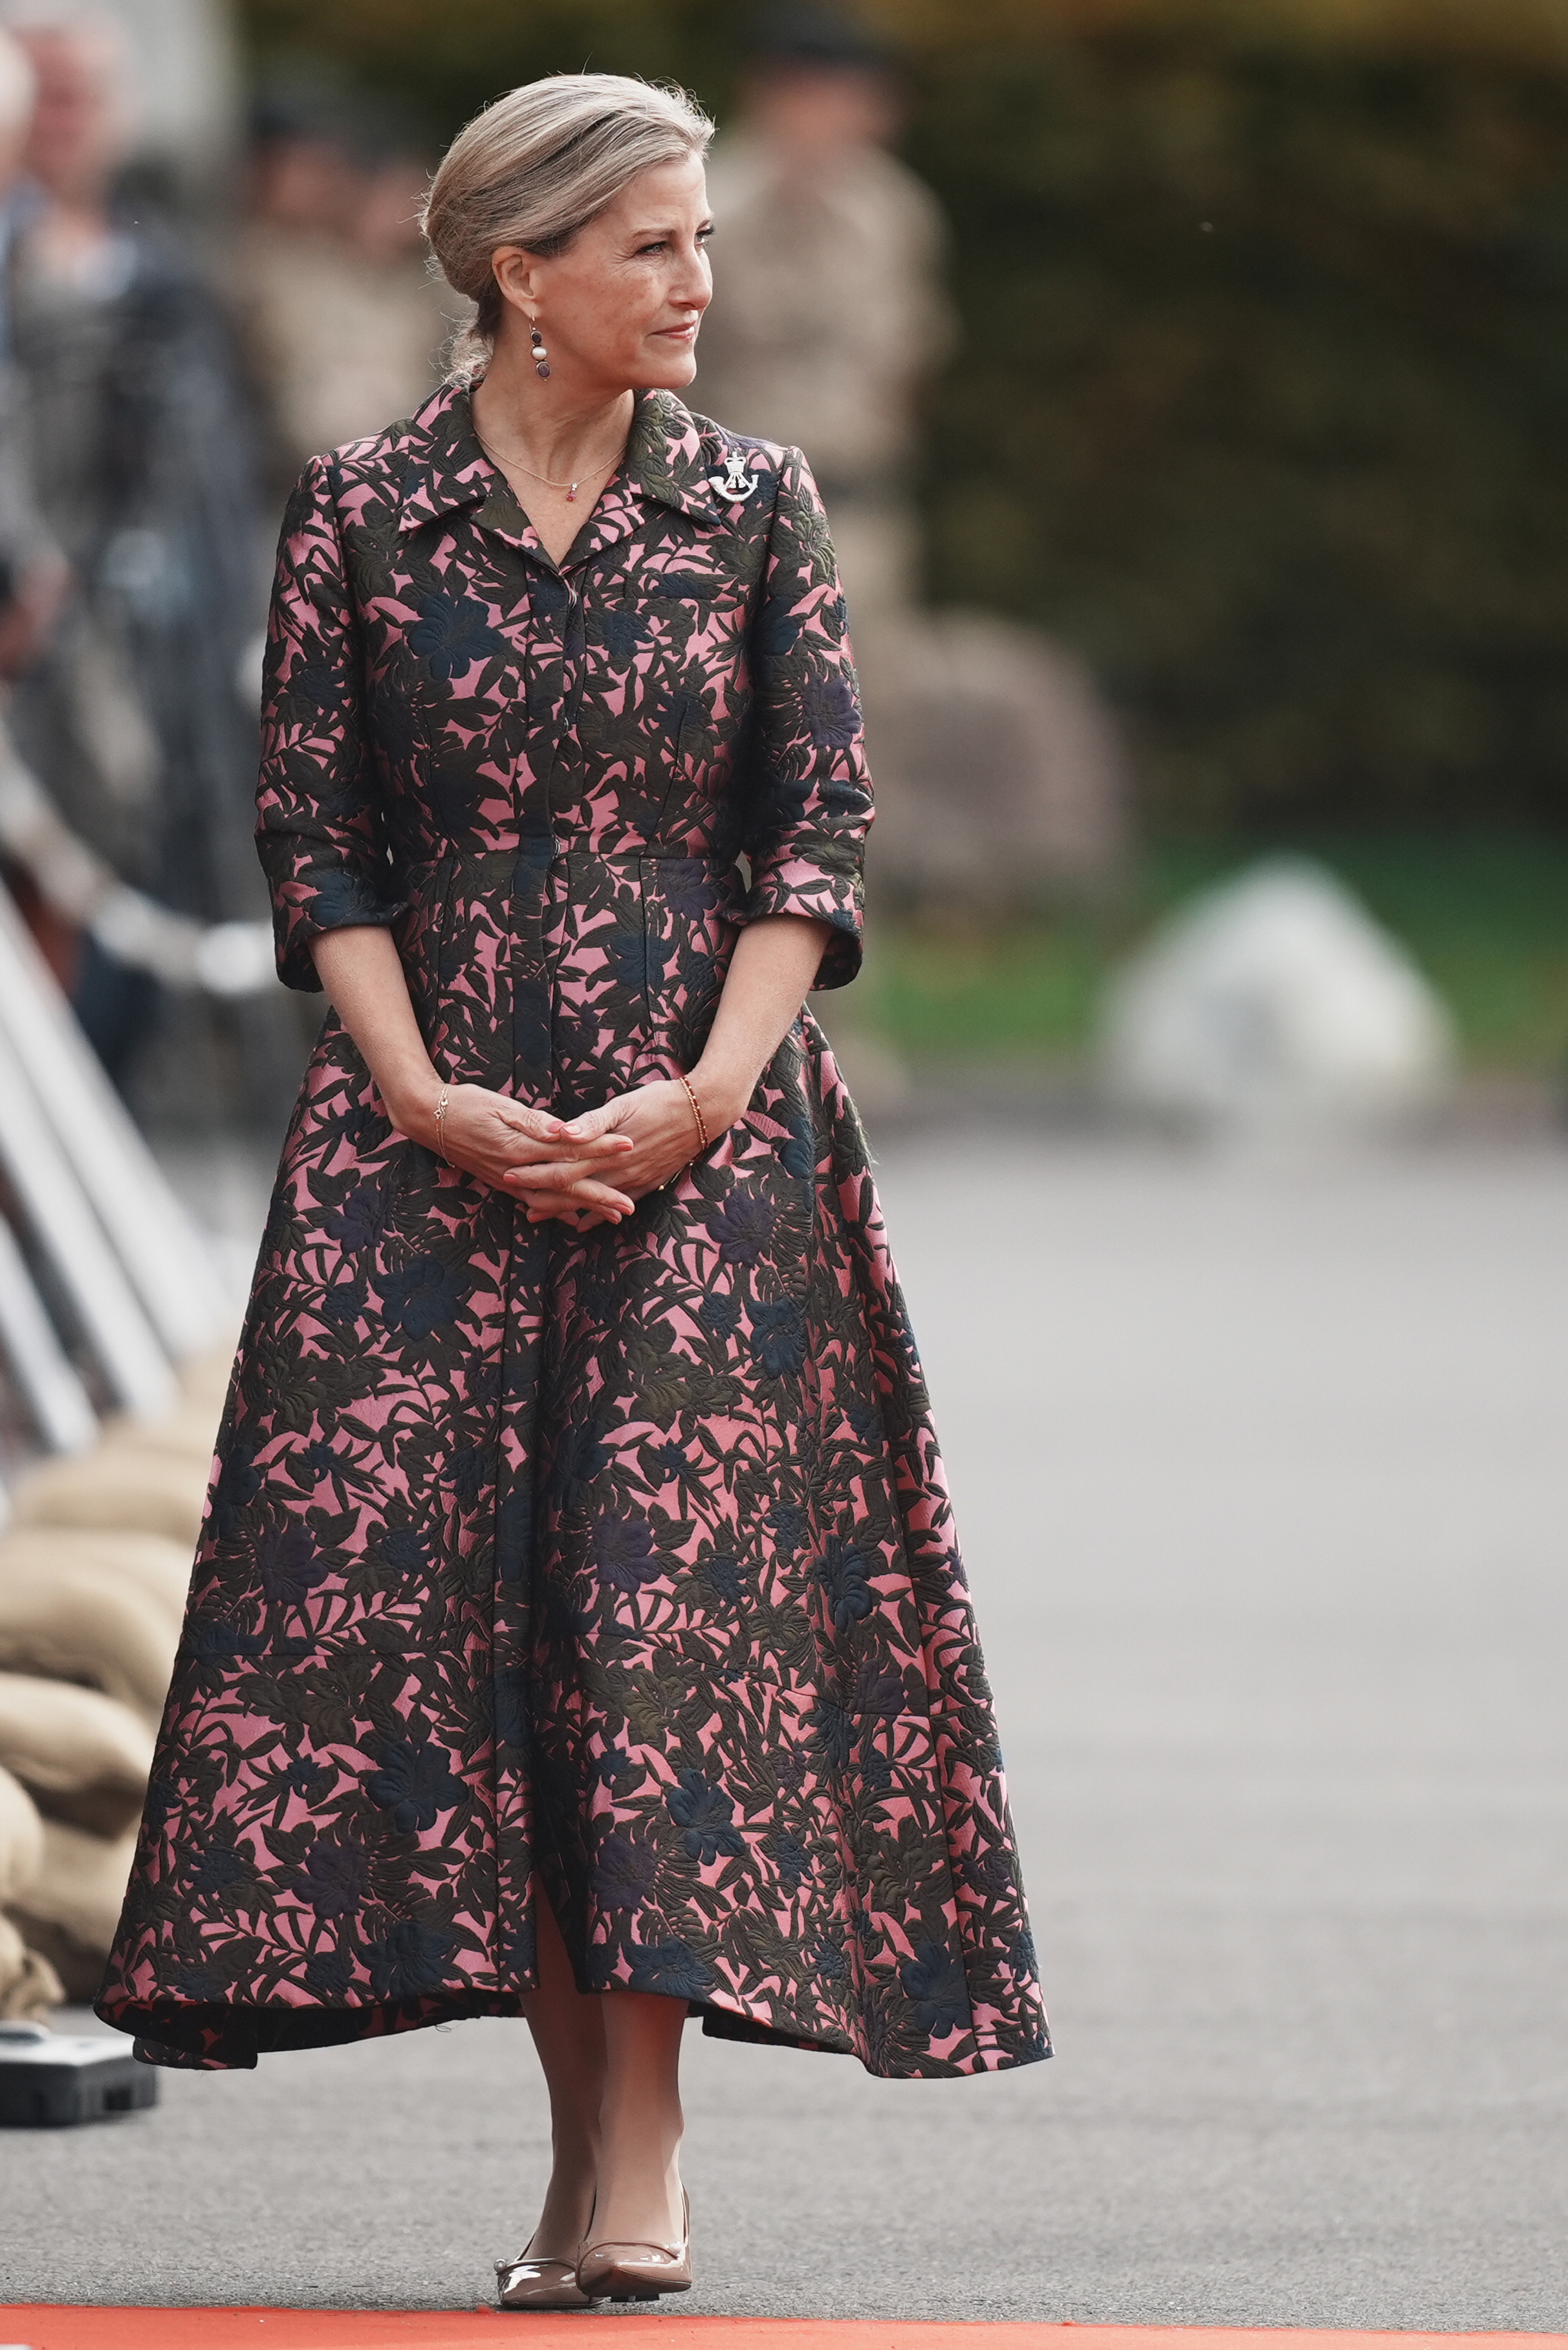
667,462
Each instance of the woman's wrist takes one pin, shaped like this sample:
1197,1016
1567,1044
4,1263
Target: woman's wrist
410,1103
721,1096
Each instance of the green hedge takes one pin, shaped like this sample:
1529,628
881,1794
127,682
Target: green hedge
1262,395
1263,406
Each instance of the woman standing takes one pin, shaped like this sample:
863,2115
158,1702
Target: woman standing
578,1611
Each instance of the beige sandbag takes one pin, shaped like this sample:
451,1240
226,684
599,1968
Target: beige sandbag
189,1432
151,1563
155,1492
72,1622
70,1911
29,1987
83,1757
21,1837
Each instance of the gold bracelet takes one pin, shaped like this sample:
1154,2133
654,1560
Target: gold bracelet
696,1109
440,1110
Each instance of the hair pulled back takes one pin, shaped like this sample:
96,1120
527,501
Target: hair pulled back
534,168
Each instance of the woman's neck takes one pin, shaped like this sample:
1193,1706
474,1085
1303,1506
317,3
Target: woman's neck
557,428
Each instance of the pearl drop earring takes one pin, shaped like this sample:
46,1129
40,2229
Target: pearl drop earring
541,355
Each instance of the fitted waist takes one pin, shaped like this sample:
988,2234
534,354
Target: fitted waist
534,861
496,866
545,966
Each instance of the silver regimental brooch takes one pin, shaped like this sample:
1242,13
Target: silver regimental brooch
734,481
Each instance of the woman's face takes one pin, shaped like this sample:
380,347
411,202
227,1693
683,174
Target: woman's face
619,309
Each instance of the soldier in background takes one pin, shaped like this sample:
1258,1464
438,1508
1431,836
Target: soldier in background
344,327
831,310
999,771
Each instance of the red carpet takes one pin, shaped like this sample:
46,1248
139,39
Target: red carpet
48,2327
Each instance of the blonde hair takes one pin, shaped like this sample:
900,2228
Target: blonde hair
534,168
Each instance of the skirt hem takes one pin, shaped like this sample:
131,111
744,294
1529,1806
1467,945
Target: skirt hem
230,2036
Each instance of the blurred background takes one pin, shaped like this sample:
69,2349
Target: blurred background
1185,380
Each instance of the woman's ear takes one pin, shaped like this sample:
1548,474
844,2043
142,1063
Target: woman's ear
516,274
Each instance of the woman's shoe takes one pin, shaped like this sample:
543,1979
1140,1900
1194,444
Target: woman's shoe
637,2272
530,2283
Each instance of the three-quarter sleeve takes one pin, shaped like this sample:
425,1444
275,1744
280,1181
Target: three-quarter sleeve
810,804
318,828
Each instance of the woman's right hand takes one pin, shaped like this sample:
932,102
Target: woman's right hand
526,1152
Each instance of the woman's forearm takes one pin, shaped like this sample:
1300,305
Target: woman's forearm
775,963
362,973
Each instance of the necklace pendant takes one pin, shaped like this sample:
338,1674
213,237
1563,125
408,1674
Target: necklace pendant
571,493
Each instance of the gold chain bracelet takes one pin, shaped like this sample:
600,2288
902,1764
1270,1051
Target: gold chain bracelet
696,1110
440,1110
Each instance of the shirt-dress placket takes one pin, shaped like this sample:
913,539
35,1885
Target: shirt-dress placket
553,671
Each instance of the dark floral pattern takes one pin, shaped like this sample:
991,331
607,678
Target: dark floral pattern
335,1879
620,1565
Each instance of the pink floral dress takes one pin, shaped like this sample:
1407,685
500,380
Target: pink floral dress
619,1567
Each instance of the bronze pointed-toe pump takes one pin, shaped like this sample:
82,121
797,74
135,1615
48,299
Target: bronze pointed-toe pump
637,2272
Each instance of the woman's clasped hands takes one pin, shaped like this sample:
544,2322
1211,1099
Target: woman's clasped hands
581,1171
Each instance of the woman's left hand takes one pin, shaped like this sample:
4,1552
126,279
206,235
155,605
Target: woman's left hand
660,1121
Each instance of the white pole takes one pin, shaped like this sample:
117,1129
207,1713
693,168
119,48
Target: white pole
162,1251
56,1208
44,1371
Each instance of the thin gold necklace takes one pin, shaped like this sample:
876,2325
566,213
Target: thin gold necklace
571,488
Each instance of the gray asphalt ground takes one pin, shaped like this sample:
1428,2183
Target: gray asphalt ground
1264,1474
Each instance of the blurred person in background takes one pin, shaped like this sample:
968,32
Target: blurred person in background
829,267
134,427
344,326
34,574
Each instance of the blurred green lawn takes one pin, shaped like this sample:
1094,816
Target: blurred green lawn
1484,913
